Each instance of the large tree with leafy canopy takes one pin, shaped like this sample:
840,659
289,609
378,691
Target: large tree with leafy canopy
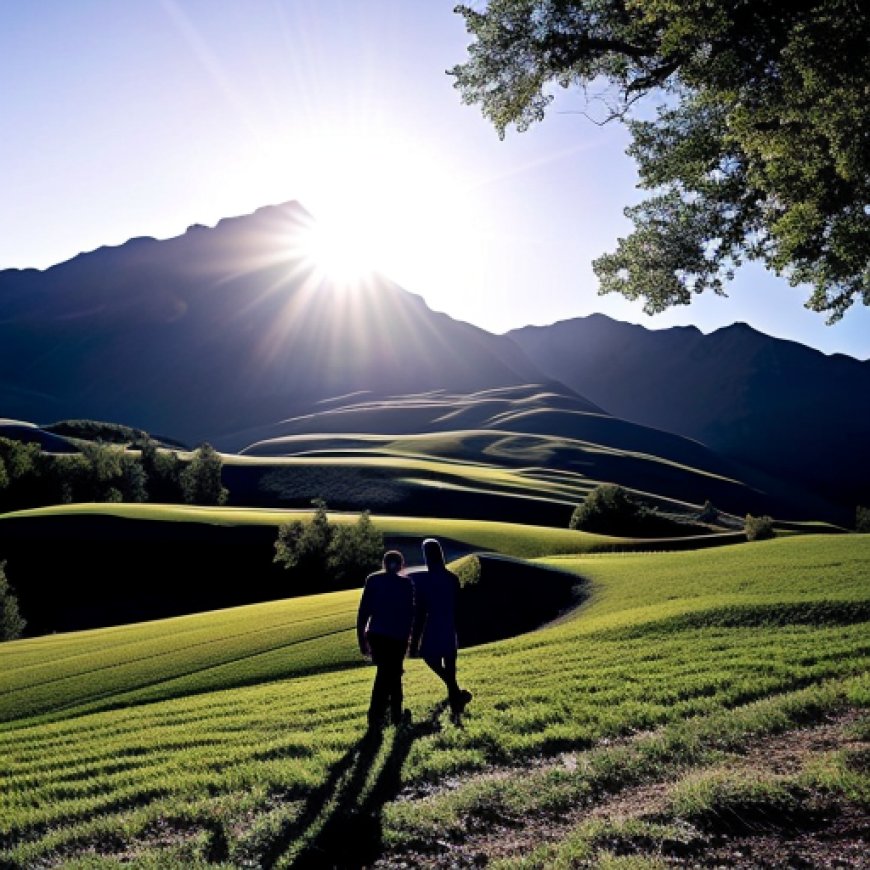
758,148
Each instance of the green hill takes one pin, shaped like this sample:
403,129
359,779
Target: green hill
178,559
510,453
680,654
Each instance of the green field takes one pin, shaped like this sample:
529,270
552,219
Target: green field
126,744
513,539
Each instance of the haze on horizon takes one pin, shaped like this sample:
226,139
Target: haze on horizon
142,119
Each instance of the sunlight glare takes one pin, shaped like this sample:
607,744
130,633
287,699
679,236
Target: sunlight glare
339,253
384,203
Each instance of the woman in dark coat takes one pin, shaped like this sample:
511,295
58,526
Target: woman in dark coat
437,595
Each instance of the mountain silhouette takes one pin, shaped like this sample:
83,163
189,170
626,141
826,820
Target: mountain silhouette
223,329
229,334
774,404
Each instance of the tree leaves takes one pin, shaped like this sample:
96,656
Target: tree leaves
760,149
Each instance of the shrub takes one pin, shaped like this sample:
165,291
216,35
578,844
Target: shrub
862,519
328,554
608,510
758,528
11,622
354,551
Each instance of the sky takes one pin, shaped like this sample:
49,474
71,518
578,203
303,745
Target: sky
142,117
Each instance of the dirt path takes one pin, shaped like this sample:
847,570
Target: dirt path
840,838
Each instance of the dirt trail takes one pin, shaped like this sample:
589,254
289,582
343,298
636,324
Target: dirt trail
839,839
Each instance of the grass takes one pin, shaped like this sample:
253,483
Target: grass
507,797
806,570
175,657
703,808
280,767
512,539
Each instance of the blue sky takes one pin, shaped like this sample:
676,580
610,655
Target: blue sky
141,117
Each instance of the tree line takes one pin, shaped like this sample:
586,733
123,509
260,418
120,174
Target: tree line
99,472
609,509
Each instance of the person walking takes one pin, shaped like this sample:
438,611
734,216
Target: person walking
383,625
435,623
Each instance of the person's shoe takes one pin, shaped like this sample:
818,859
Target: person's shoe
460,702
404,720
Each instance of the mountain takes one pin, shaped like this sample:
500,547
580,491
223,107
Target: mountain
221,330
770,403
229,334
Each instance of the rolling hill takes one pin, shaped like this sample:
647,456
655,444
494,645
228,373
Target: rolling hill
237,738
182,559
524,442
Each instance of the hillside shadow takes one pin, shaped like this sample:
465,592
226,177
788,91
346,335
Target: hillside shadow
512,597
340,825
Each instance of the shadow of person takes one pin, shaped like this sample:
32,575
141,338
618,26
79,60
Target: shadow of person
340,824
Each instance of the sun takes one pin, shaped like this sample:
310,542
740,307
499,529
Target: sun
384,204
338,252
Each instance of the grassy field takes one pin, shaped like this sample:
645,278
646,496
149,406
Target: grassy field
672,659
513,539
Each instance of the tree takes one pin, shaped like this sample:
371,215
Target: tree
133,479
99,472
303,546
862,519
337,555
608,510
11,622
162,469
709,513
354,550
201,479
758,528
758,149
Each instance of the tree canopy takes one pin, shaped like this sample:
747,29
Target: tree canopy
11,622
328,554
759,147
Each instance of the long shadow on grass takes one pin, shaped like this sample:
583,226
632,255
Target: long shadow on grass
340,824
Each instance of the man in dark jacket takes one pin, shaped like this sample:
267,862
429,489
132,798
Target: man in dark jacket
383,627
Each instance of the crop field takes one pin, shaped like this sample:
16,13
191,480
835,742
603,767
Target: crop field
237,738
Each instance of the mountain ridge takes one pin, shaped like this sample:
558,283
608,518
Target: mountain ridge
224,328
221,333
772,403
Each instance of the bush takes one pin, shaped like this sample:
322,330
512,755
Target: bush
758,528
11,623
331,555
608,510
96,430
862,519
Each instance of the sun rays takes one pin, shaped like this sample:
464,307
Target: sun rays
338,253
